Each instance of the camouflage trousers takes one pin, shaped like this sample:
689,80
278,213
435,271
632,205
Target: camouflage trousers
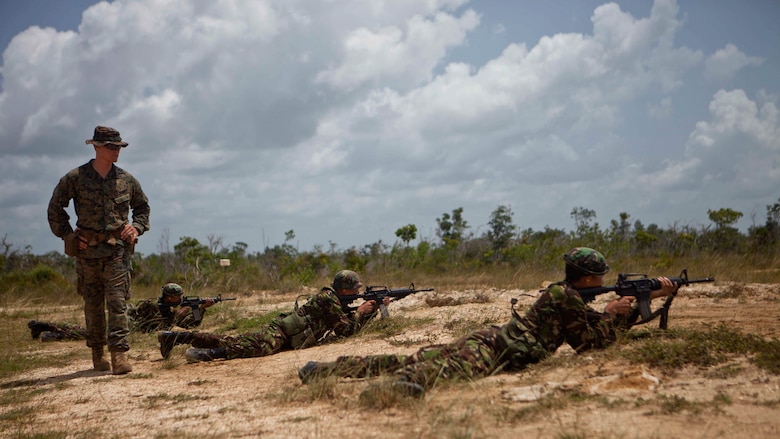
104,284
67,330
269,341
472,356
556,317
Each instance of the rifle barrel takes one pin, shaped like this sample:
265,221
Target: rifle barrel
704,279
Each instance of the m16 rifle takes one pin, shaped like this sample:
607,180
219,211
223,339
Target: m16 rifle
194,302
378,294
640,286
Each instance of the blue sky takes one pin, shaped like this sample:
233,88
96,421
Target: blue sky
347,120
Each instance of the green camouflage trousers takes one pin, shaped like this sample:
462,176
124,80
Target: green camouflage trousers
472,356
558,316
136,322
268,341
67,330
104,284
143,316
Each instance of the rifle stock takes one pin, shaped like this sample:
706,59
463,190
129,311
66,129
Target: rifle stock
641,287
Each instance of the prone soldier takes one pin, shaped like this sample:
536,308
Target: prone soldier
559,316
144,316
307,325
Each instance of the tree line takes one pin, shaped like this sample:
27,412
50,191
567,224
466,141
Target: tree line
455,249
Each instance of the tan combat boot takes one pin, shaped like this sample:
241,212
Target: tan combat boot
98,362
119,363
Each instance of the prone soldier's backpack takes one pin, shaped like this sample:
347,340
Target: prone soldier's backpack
297,327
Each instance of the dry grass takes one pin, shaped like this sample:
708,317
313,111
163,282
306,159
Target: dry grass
713,375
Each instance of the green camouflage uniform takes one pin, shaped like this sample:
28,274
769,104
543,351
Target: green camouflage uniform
558,316
144,316
102,206
54,331
320,315
148,316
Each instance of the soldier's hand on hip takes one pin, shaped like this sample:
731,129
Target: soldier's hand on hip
129,234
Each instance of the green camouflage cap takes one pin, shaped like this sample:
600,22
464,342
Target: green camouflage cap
346,280
587,260
106,135
172,289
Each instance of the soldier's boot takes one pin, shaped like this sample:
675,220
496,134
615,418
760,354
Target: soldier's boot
98,362
119,363
314,369
36,328
52,336
169,339
195,355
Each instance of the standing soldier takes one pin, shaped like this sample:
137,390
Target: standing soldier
103,196
147,315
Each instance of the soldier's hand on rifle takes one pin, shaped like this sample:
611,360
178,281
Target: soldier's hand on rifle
207,302
620,306
370,306
667,287
366,307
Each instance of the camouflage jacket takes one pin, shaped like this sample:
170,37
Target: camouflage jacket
148,316
323,313
101,205
558,316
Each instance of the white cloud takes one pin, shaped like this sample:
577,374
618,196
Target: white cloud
734,114
727,62
403,56
152,110
734,154
346,120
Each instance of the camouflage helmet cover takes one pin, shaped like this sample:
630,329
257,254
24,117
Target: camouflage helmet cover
172,289
587,260
106,135
346,280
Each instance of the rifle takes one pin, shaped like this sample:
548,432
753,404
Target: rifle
641,288
378,293
194,302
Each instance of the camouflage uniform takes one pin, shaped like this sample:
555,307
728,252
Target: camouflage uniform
102,206
313,322
145,316
322,314
53,331
148,316
558,316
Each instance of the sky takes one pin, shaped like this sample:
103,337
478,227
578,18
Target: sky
344,120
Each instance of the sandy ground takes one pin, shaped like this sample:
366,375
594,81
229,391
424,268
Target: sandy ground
262,397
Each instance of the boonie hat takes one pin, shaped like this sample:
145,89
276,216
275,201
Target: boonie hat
172,289
587,260
106,135
346,280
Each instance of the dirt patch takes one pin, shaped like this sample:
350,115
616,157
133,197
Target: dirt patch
262,397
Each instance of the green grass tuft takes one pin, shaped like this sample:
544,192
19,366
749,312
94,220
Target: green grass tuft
676,348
